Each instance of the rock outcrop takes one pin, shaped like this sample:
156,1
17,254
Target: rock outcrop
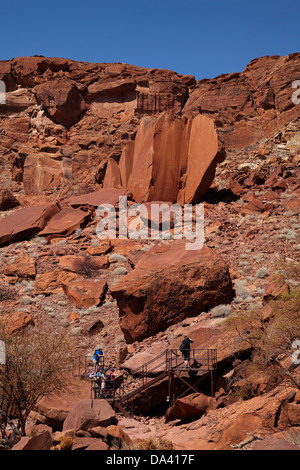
171,159
228,427
86,116
250,105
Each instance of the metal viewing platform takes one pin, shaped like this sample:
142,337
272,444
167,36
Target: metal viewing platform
169,366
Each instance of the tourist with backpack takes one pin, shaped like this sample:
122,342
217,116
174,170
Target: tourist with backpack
98,354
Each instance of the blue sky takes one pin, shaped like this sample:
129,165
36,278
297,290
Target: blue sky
200,38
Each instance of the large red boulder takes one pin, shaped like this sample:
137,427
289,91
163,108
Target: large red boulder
168,284
54,408
191,407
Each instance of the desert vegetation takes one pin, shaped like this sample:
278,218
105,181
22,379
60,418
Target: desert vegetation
272,335
37,363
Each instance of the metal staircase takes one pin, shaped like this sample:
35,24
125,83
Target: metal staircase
170,366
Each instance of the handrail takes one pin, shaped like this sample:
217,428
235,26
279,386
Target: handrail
206,359
211,359
142,387
201,359
146,364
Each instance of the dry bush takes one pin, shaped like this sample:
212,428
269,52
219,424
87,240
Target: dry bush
154,444
7,293
37,363
66,443
86,266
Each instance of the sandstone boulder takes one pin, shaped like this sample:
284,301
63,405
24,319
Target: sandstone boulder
42,441
65,222
116,433
22,267
204,153
87,414
25,223
85,294
54,409
191,408
167,285
62,99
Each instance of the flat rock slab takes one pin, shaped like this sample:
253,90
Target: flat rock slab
65,222
96,198
273,443
25,223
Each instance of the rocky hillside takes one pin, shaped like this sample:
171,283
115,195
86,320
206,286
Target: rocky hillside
76,135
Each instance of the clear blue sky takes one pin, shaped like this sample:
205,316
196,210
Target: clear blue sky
196,37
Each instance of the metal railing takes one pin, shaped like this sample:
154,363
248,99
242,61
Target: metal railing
203,360
199,359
